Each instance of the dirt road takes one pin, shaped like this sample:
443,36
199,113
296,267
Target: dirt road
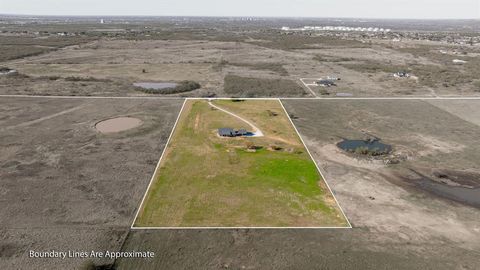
255,130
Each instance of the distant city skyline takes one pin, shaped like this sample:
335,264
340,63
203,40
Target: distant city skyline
374,9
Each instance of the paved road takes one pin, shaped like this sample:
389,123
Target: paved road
255,130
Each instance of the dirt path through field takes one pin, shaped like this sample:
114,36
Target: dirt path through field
28,123
256,131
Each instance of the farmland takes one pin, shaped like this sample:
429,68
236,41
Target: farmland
204,180
76,179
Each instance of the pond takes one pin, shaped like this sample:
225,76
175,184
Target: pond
366,147
117,124
469,196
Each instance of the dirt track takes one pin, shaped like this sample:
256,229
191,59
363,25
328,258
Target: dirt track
256,131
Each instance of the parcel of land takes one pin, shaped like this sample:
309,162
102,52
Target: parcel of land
205,180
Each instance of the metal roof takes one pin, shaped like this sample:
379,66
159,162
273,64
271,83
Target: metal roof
325,82
226,132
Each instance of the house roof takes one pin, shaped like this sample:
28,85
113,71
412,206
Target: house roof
225,131
325,82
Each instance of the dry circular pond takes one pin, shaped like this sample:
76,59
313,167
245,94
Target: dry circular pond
117,124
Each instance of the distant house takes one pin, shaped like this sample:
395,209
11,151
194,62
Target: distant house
325,83
401,74
459,62
6,71
226,132
230,132
333,78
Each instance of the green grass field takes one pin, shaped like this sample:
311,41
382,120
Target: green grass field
207,181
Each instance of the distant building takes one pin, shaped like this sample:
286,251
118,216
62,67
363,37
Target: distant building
333,78
226,132
6,71
459,62
337,28
401,74
325,83
230,132
241,132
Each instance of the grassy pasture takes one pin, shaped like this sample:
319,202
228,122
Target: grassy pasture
205,180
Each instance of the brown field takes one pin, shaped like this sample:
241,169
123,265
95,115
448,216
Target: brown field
66,186
365,68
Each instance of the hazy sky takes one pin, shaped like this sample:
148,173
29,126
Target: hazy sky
427,9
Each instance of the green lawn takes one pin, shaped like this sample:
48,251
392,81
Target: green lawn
204,180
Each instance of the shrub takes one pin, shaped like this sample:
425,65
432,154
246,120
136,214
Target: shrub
333,59
272,113
51,77
252,87
85,79
273,67
182,87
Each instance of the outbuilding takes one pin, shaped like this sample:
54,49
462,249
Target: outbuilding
401,74
241,132
325,83
230,132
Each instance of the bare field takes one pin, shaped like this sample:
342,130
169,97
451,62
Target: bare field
365,70
65,186
127,62
396,224
14,47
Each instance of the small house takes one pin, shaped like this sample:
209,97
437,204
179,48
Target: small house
230,132
459,62
325,83
6,71
226,132
333,78
401,74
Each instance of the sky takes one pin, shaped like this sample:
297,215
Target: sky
395,9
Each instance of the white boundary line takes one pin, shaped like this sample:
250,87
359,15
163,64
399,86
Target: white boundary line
261,98
158,164
91,97
308,87
233,228
316,164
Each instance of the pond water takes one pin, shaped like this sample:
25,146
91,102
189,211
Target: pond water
370,145
469,196
118,124
155,85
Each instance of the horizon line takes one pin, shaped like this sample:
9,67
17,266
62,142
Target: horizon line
235,16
